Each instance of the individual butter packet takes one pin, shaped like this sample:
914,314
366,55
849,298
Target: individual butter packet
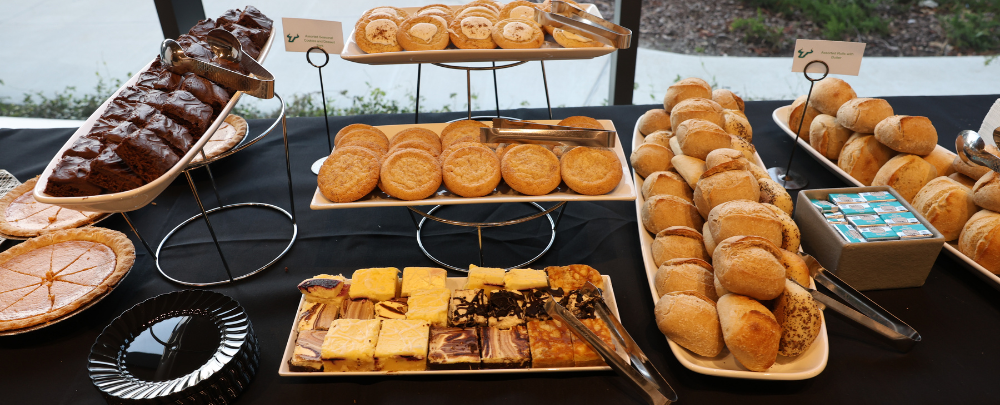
845,199
836,220
888,207
863,221
912,232
856,209
877,196
849,234
833,215
878,233
824,206
899,218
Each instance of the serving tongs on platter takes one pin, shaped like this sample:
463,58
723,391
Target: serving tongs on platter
579,22
641,372
972,148
225,46
508,130
865,312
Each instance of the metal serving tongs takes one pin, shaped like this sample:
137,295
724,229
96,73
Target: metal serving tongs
507,130
971,147
225,46
655,389
585,24
868,313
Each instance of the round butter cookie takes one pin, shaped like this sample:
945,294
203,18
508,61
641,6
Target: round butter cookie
423,33
410,174
580,121
369,138
531,169
377,36
573,40
472,32
461,131
421,134
343,131
478,10
471,171
591,171
524,10
416,144
439,10
447,151
351,172
518,34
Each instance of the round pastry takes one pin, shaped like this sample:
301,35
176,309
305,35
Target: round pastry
862,156
728,100
751,266
979,240
423,33
797,115
863,114
518,34
791,237
351,172
461,131
685,275
573,40
661,138
651,157
666,183
471,171
698,137
678,242
971,169
377,36
700,108
905,173
22,216
654,120
743,217
946,204
750,331
690,168
986,192
531,169
684,89
420,134
370,138
942,159
394,13
580,121
690,320
720,184
345,130
410,174
478,10
907,134
831,93
447,151
591,171
416,144
440,10
963,180
799,316
828,137
472,32
660,212
524,10
737,124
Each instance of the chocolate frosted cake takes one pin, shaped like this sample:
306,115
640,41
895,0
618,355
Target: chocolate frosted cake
147,154
118,110
69,178
506,309
111,173
453,349
178,137
163,80
505,348
115,135
201,29
86,147
468,308
204,90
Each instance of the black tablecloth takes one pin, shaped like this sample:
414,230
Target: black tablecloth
957,313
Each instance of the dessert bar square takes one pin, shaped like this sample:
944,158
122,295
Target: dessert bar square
392,309
147,154
156,98
506,309
201,29
322,287
159,80
118,110
115,135
103,125
142,114
524,279
453,349
378,283
551,344
430,306
468,308
253,18
132,94
582,304
308,348
206,91
86,147
534,302
69,178
361,308
195,48
402,345
317,315
573,277
583,354
246,37
489,279
349,345
422,278
111,173
188,111
505,348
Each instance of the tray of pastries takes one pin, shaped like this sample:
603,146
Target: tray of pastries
422,164
143,136
718,243
866,143
425,323
479,31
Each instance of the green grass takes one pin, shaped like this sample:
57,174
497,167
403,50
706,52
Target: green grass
838,19
756,32
971,24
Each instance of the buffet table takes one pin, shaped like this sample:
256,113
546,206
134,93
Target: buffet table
956,312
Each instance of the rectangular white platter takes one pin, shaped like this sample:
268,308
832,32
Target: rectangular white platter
550,50
625,191
780,117
452,283
806,365
136,198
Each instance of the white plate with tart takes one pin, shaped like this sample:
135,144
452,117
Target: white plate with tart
550,50
780,117
624,191
804,366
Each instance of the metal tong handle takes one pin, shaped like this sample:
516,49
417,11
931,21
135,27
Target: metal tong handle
971,147
506,130
579,22
867,313
225,46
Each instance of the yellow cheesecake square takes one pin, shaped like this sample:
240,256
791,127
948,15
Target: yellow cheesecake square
402,345
349,345
430,306
376,284
422,278
525,279
583,354
487,278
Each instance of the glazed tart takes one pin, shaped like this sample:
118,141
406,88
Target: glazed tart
229,134
22,216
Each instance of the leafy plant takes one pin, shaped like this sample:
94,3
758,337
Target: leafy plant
839,19
756,32
66,104
970,30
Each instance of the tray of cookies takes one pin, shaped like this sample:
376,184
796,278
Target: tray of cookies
444,164
425,323
480,31
865,143
137,142
706,203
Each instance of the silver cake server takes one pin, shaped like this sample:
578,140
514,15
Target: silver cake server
579,22
972,148
225,46
507,130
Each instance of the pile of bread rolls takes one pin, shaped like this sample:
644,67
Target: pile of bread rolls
876,147
724,240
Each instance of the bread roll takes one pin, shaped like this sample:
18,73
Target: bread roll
749,265
662,138
654,120
799,317
691,321
980,240
698,137
905,173
727,99
685,275
946,204
862,156
660,212
678,242
651,157
750,331
691,87
797,114
666,183
725,155
941,158
719,289
791,237
963,180
831,93
907,134
697,108
706,235
772,193
690,168
795,267
742,145
828,137
742,217
737,124
721,184
863,114
970,168
986,192
675,147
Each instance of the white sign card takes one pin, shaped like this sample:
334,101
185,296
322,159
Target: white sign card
843,58
303,33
